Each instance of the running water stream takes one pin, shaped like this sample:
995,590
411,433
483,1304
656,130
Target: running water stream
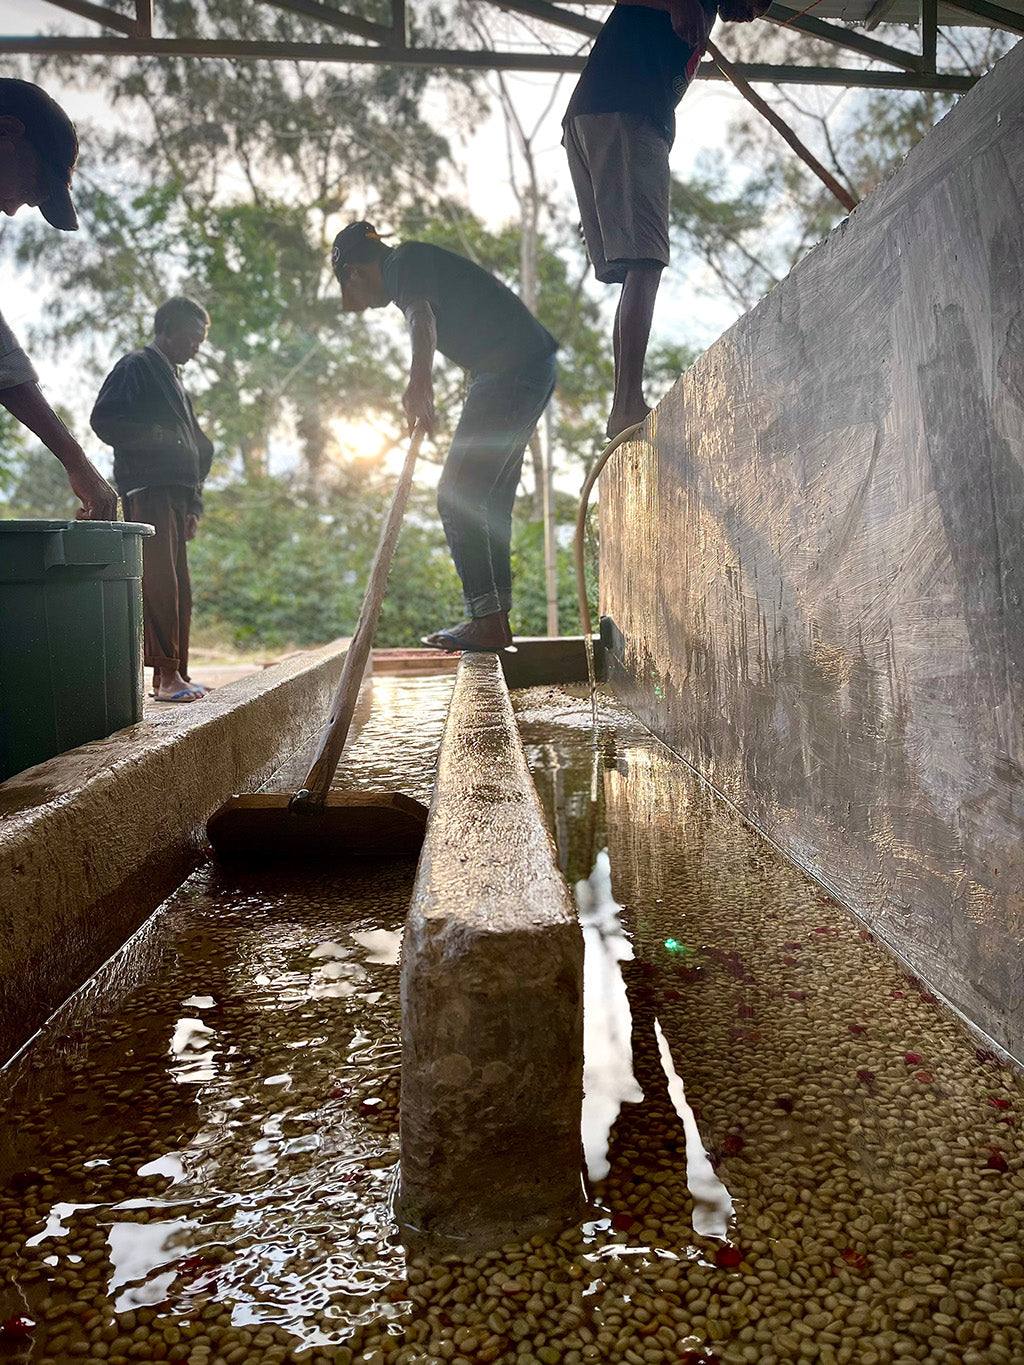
588,645
794,1152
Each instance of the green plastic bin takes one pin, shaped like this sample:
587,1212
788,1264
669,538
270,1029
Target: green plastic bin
70,635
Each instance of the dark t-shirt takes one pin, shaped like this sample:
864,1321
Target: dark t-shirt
638,65
481,325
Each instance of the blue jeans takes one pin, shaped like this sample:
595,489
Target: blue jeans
478,485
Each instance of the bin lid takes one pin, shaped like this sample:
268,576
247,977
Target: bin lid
138,528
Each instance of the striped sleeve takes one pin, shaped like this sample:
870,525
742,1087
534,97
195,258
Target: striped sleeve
15,366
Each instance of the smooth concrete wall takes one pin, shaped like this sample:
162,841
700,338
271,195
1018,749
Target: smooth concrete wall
93,840
816,560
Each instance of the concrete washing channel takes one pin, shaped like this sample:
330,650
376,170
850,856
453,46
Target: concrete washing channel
213,1151
243,1138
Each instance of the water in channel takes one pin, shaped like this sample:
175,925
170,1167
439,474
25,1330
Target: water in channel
794,1152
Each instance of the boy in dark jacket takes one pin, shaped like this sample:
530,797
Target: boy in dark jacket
161,459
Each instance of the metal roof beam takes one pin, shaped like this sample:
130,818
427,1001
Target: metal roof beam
327,14
843,37
249,49
848,76
399,23
98,13
929,34
995,14
272,50
553,14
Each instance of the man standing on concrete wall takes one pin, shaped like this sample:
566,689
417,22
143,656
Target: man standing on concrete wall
38,151
161,460
618,130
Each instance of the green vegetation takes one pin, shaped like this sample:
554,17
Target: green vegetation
227,181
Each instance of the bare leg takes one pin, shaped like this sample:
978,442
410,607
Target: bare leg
632,332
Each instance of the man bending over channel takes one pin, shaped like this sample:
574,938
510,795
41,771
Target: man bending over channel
38,151
454,307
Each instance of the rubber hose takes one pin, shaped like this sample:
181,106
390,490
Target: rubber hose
586,626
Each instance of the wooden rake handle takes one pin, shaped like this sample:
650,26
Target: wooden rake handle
314,791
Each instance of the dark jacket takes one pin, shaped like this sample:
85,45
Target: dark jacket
145,414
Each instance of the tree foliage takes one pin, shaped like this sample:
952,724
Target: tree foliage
227,181
744,218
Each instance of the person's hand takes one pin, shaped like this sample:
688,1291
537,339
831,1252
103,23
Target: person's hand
743,11
418,402
98,499
191,526
691,22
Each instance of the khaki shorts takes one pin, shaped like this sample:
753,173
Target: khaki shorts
619,169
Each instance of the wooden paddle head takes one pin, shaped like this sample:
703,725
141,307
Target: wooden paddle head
262,827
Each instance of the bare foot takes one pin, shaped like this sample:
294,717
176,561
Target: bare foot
169,685
484,634
619,421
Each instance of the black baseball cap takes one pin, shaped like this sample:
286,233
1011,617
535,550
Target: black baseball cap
350,246
53,136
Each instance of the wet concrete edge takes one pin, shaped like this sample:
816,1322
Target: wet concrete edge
492,998
93,840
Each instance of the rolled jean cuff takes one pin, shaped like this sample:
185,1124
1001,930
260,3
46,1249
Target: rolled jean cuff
487,603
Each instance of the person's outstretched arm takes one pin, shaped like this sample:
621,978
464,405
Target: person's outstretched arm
418,399
27,404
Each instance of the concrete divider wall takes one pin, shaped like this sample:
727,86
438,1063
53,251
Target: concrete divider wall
492,998
816,560
93,840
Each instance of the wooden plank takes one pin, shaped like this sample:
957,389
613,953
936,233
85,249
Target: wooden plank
414,662
545,659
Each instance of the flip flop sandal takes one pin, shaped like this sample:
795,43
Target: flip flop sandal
185,695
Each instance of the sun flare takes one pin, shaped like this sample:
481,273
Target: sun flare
361,440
